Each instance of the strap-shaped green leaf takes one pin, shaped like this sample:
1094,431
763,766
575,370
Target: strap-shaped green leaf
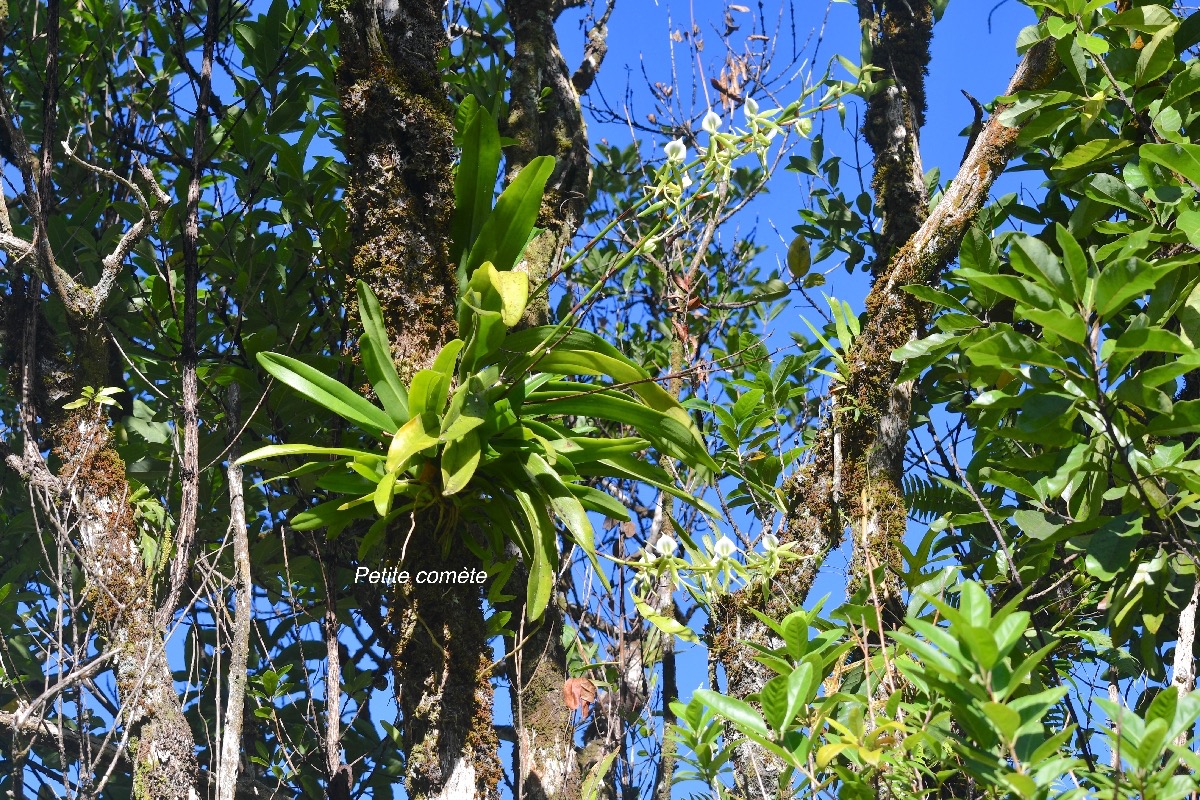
326,515
384,495
667,433
509,226
598,501
327,392
634,469
580,352
468,410
542,558
278,450
377,357
430,388
475,179
566,507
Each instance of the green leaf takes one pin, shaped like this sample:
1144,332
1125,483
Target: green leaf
278,450
666,432
565,506
377,357
1112,190
594,781
1003,719
474,180
327,392
384,494
460,459
974,604
468,410
1144,19
1181,158
1070,326
1124,280
1027,292
580,352
326,515
513,288
668,625
1109,548
1035,260
1156,57
507,229
1105,150
412,438
582,450
736,711
773,699
601,502
1009,349
1074,260
430,388
628,467
981,644
542,546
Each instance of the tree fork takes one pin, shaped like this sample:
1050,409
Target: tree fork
893,317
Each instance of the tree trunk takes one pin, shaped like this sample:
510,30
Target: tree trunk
399,146
160,741
547,762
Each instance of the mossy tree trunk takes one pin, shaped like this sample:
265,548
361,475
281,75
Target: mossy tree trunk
545,118
842,482
400,152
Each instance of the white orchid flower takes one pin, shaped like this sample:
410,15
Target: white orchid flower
724,548
676,150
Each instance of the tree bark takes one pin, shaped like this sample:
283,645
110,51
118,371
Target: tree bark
550,125
229,761
547,762
399,147
1184,667
901,33
821,497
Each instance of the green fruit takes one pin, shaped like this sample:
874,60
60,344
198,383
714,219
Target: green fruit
799,259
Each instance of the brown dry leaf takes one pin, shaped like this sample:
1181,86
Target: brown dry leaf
579,694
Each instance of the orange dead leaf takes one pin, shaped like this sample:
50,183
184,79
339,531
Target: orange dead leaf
579,694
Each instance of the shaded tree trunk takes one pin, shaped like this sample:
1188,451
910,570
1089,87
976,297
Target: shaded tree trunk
548,766
399,148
